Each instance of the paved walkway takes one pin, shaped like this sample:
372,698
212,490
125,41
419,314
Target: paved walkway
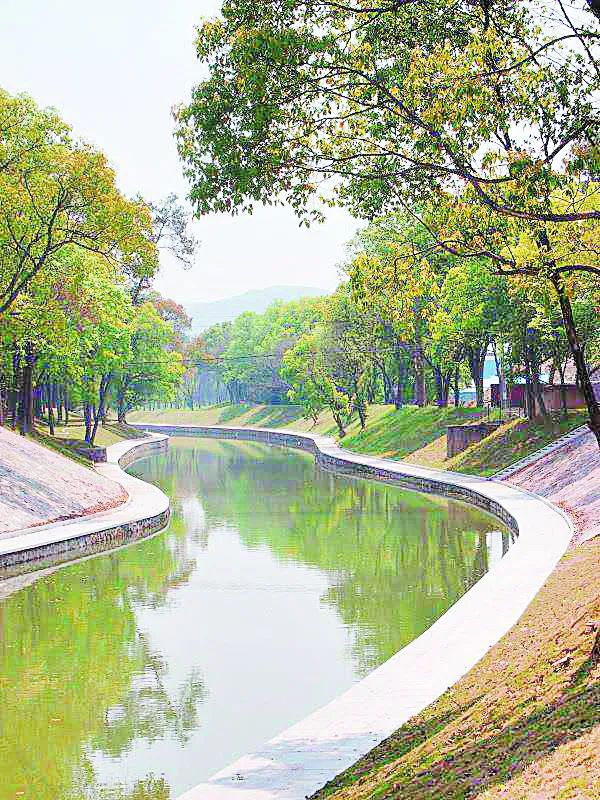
38,486
569,476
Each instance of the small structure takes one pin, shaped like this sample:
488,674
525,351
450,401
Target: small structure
94,453
552,395
459,437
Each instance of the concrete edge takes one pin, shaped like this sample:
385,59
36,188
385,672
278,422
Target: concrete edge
301,759
146,511
538,455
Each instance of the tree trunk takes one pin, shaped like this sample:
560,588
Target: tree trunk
419,367
447,380
50,405
338,422
441,387
66,403
529,396
99,414
583,374
539,394
500,372
361,408
26,394
456,387
476,358
400,383
87,416
59,404
564,405
15,391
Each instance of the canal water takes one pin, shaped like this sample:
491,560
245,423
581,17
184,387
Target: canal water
137,674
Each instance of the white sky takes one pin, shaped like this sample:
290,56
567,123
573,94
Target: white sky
114,69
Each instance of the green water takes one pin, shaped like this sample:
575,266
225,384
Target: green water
139,673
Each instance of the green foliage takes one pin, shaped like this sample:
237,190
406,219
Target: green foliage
395,101
246,355
474,120
75,259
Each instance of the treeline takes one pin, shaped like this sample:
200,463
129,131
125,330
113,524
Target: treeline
478,122
80,328
400,330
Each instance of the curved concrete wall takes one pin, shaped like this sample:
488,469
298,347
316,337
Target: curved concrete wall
145,512
300,760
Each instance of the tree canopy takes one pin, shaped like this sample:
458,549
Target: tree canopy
78,326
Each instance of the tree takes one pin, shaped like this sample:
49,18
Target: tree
471,313
396,275
56,194
169,223
400,105
395,100
332,366
173,313
535,255
153,370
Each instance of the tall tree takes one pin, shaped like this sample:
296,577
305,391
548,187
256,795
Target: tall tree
56,193
395,100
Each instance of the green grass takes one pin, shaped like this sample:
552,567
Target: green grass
59,446
107,434
417,435
391,433
512,441
396,434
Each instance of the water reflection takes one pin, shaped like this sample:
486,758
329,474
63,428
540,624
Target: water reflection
134,675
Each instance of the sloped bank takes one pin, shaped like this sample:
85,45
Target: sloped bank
145,512
303,758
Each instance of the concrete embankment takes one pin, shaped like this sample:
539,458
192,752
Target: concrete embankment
569,476
39,487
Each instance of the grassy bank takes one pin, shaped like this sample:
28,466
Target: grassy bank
415,434
513,441
523,723
107,434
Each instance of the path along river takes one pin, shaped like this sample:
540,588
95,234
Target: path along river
137,674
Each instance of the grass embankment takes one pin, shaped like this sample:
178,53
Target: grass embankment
523,723
511,442
263,416
415,434
107,434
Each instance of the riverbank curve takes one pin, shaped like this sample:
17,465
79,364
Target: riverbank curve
297,762
145,511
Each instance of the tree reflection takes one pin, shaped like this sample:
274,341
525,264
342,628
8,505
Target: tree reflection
396,560
77,675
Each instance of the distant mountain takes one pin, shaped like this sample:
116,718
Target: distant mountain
258,300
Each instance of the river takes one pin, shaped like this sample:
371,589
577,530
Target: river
137,674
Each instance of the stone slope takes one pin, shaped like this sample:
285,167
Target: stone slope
38,486
569,476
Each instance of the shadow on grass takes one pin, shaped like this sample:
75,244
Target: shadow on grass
400,432
469,768
233,412
273,417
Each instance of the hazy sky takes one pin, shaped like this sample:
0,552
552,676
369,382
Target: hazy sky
114,69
